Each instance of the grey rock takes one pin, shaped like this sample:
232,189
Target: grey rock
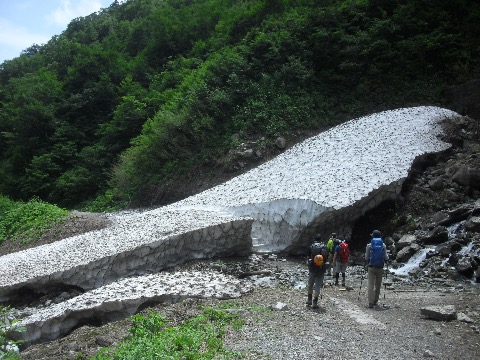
389,241
438,235
248,153
407,252
464,266
476,207
473,224
447,248
281,142
405,240
440,217
428,354
441,313
279,306
453,195
459,213
101,341
466,176
477,275
72,346
436,184
464,318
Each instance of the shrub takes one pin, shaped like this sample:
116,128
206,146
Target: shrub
107,202
25,222
8,347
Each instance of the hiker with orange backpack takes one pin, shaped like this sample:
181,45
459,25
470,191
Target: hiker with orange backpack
341,257
317,261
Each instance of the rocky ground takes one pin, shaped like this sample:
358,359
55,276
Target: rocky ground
438,211
278,324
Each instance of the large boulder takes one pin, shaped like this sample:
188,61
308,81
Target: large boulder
464,266
436,236
449,217
447,248
467,176
436,184
407,252
473,224
441,313
440,218
405,240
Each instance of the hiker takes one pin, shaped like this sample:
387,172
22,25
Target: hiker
317,265
375,256
341,257
331,244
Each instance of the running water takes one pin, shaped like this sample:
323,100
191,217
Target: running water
456,228
466,250
413,263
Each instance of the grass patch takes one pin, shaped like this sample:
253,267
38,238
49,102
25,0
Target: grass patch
24,222
200,337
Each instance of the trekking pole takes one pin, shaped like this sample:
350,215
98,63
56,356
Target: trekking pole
361,282
385,281
385,284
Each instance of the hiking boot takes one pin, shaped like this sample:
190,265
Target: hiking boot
343,283
336,283
370,306
315,303
309,300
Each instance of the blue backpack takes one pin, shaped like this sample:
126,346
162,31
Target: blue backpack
377,255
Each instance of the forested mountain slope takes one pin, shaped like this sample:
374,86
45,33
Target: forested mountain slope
130,102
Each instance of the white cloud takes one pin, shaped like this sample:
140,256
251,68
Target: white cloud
14,38
67,11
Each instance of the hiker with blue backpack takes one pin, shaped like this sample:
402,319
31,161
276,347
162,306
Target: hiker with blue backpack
375,255
317,261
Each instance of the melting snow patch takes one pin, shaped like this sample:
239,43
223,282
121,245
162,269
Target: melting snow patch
356,313
124,298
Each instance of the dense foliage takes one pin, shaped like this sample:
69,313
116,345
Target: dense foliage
144,91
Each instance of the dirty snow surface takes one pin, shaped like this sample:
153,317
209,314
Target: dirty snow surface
332,170
340,166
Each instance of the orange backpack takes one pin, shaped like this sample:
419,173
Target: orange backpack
318,260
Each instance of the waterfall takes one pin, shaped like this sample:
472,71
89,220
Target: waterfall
413,263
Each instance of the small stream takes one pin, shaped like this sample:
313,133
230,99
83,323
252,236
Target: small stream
413,263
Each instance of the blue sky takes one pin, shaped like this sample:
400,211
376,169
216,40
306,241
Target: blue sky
27,22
